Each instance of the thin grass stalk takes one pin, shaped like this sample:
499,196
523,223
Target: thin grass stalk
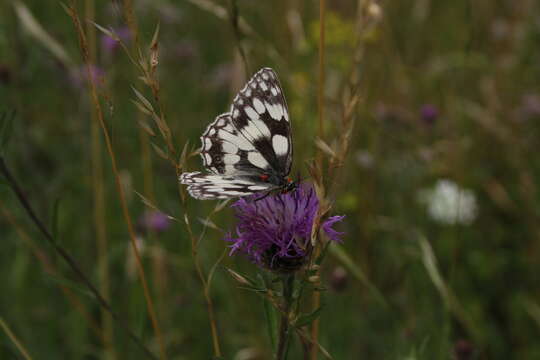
200,273
316,297
25,203
14,340
149,75
49,268
320,90
284,327
368,16
99,195
146,159
234,17
120,190
159,118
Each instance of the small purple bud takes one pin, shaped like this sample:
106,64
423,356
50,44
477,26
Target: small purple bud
110,45
154,221
463,350
79,76
529,107
339,279
429,113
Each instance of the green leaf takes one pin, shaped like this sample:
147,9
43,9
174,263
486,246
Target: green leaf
307,319
246,282
271,322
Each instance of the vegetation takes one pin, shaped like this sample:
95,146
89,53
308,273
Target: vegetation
423,133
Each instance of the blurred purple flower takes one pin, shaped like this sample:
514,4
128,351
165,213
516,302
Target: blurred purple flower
221,77
339,279
79,76
154,221
108,44
529,107
275,232
429,113
385,112
185,50
463,350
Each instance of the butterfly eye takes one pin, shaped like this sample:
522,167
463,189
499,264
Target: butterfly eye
264,177
289,180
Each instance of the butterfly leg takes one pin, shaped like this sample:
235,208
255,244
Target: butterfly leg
263,197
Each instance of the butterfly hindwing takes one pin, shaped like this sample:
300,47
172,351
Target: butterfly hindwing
226,151
208,187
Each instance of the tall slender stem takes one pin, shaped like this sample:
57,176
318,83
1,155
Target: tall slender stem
72,11
284,330
98,190
316,297
65,255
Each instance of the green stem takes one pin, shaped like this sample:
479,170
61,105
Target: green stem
284,331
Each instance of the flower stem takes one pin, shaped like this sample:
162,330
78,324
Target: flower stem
284,331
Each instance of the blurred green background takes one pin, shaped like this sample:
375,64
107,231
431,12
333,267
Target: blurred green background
440,186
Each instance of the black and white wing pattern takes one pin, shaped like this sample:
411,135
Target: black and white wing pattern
248,149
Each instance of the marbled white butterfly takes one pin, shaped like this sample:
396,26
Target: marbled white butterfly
248,149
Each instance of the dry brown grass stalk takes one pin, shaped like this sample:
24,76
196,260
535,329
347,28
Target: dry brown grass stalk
49,268
70,261
154,109
98,189
368,14
24,352
73,12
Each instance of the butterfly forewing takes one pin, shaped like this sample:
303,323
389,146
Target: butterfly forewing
243,148
260,114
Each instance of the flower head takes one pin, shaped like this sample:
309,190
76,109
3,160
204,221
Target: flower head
79,76
429,113
449,204
154,221
275,232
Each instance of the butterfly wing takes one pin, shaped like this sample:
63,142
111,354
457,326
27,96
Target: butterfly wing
226,151
208,187
240,146
259,112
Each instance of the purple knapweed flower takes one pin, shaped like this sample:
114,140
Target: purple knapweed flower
429,113
275,232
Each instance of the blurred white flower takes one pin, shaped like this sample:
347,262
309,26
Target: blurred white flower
449,204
